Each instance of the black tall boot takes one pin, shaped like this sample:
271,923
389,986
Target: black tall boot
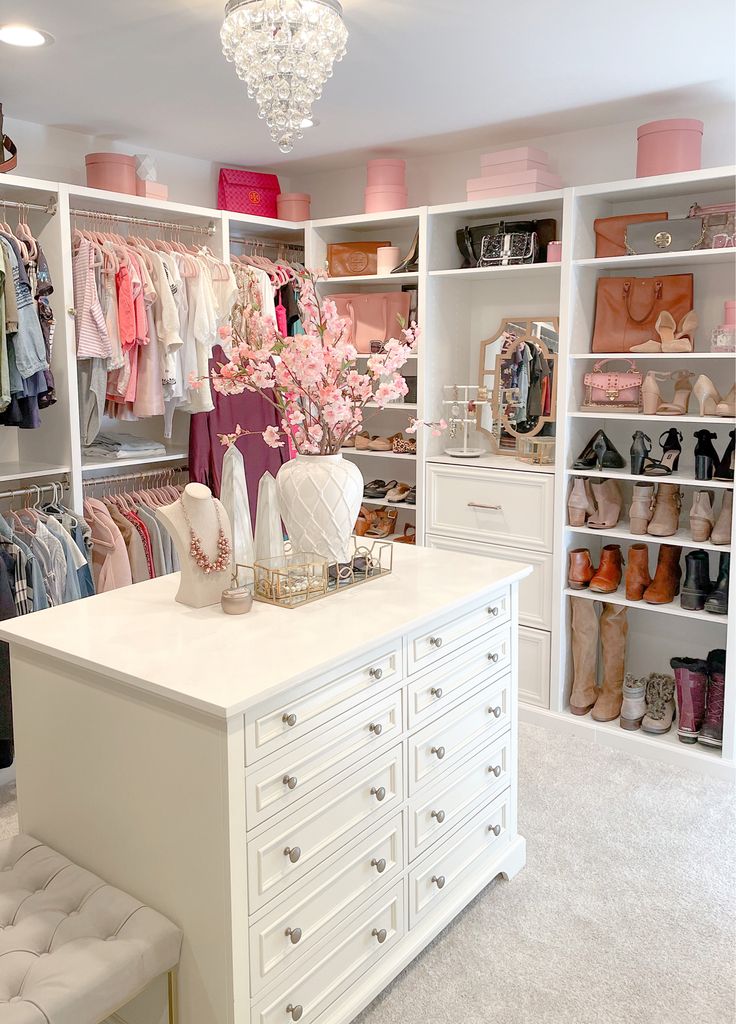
717,603
697,586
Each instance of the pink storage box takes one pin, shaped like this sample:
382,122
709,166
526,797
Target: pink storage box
250,192
513,167
387,172
669,146
544,178
506,156
384,198
152,190
294,206
114,172
505,190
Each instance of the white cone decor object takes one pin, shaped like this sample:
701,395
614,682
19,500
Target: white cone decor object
269,539
320,497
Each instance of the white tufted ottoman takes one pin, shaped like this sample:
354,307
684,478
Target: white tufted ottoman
73,950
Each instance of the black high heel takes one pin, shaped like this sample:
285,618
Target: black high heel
724,468
599,453
411,264
639,452
706,457
671,452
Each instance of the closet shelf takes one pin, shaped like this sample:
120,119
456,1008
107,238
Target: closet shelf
30,470
391,504
666,421
394,406
681,539
471,273
372,279
378,455
673,608
674,356
685,478
91,465
612,734
658,259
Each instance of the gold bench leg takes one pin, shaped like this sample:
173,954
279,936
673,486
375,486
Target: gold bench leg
173,1002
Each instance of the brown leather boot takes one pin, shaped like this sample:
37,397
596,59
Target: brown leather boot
666,518
608,575
614,628
666,583
580,569
584,655
608,499
637,572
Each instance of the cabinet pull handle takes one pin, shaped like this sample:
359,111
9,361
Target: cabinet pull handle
478,504
289,720
496,712
496,829
435,641
380,935
376,673
439,751
493,657
436,691
379,793
294,934
290,781
493,610
293,853
439,815
376,727
439,881
379,865
295,1012
496,770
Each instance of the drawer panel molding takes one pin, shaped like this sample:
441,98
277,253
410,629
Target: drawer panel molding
428,647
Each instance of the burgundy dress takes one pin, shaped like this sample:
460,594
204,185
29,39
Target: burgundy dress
206,453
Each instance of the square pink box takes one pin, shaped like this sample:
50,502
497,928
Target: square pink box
505,190
505,156
544,178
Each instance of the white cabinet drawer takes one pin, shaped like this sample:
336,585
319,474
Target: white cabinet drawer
495,505
278,722
534,666
359,945
429,646
437,808
300,769
535,591
442,746
440,689
317,909
447,868
315,830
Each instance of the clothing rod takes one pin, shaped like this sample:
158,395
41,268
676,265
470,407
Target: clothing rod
167,225
144,474
270,243
49,208
36,489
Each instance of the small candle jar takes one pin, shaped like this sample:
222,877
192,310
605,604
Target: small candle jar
236,600
554,252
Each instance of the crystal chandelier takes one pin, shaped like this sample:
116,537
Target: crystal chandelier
284,51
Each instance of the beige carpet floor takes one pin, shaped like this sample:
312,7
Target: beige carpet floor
625,913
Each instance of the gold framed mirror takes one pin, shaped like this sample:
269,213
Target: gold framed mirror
518,367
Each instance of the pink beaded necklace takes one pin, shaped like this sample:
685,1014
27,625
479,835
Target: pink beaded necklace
197,552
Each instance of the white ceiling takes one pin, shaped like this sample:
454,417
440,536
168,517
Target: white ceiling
151,72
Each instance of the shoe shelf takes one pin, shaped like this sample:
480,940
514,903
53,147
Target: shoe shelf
689,258
683,478
393,406
637,741
378,455
681,539
380,502
673,608
666,420
522,270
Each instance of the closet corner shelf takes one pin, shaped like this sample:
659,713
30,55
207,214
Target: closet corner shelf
661,259
474,273
371,279
93,465
613,735
673,608
378,455
30,470
379,502
666,421
681,539
685,478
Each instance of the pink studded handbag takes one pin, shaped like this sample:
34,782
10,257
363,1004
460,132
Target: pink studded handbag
613,389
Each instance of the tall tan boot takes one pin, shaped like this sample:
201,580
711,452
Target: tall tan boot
614,627
701,516
580,503
584,655
666,518
642,508
608,499
722,530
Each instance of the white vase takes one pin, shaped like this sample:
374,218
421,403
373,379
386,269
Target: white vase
320,497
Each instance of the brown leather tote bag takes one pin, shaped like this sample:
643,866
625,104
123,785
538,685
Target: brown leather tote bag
6,143
627,308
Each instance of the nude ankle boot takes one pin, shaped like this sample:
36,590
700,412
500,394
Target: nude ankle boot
666,518
580,503
722,530
584,655
608,499
614,627
701,516
642,508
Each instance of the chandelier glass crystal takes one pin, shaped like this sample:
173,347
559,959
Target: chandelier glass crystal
284,51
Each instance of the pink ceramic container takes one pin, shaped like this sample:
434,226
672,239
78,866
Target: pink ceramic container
152,189
668,147
294,206
114,172
387,172
505,156
554,252
383,198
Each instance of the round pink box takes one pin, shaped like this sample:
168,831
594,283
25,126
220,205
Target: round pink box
387,172
293,205
669,146
113,172
554,252
383,198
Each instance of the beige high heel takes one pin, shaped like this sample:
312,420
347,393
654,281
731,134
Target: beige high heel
727,405
665,327
708,398
651,399
684,338
681,400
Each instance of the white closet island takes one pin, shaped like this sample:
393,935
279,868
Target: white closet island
312,795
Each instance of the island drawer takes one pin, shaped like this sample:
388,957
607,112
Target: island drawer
440,747
427,647
437,808
291,775
316,909
325,976
278,722
447,868
284,853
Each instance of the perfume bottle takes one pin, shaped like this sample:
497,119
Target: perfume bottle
723,338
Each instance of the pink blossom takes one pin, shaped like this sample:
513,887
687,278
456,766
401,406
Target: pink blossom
225,332
271,436
194,382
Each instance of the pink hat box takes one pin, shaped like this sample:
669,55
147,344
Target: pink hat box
384,198
113,172
506,156
387,172
294,206
669,146
520,189
152,190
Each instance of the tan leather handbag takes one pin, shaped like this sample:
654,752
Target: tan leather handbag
627,308
610,232
351,259
6,143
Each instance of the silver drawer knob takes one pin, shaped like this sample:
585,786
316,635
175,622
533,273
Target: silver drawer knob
436,641
496,829
436,691
380,934
379,793
439,881
496,712
493,611
496,770
439,815
493,657
379,865
294,934
293,853
376,673
295,1012
439,751
376,727
290,781
289,720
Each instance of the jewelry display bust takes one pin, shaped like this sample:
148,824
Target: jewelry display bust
201,531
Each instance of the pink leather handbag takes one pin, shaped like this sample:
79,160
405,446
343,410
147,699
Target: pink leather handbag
374,315
612,389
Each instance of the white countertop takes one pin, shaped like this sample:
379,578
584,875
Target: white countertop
221,664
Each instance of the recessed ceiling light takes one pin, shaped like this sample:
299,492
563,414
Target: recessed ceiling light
309,122
24,35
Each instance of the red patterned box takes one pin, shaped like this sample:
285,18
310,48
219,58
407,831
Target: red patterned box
248,192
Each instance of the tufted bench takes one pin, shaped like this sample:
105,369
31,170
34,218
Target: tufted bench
73,950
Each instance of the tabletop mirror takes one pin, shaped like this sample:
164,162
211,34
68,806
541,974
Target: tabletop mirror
518,371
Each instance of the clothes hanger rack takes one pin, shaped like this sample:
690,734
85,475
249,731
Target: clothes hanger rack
164,225
164,475
35,490
269,243
50,208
